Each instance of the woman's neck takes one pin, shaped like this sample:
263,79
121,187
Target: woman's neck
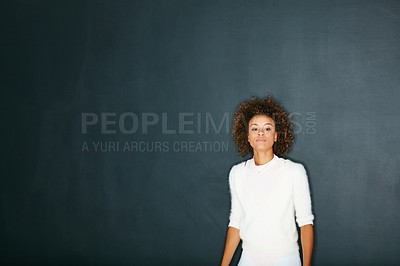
261,158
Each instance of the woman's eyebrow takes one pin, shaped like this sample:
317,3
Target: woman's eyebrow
254,124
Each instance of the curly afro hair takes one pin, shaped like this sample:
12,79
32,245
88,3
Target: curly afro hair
267,106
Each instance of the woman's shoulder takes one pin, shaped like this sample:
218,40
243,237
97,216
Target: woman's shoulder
237,167
292,164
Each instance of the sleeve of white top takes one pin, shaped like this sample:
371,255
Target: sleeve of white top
301,197
234,218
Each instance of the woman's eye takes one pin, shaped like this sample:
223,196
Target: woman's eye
254,129
267,129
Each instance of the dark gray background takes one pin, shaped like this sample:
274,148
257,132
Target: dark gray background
338,60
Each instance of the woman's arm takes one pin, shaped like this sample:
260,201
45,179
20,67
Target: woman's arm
307,243
232,241
304,215
232,237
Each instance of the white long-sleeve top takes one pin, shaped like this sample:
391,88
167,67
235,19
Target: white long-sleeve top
266,201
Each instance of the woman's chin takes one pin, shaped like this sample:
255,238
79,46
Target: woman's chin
262,148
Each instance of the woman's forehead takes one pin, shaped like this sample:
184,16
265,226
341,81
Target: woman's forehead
261,119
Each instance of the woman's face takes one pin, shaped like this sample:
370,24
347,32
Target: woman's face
262,134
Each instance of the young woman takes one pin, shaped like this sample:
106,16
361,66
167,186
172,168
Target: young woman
269,194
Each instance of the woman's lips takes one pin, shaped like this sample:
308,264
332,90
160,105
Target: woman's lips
260,140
